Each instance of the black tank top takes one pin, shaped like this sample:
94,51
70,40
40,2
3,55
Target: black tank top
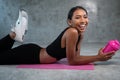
55,50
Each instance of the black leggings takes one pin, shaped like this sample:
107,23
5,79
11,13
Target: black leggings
23,54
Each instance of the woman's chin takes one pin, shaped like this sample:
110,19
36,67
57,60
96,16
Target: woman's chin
82,30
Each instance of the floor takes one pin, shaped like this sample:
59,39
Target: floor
109,70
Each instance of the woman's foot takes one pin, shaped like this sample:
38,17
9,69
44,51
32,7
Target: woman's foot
21,26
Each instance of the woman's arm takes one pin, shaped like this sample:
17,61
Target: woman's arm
79,44
74,57
99,57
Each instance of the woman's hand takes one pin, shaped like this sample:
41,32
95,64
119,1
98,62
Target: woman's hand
105,56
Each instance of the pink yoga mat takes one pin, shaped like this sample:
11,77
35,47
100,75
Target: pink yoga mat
62,64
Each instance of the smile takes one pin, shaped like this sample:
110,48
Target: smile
82,27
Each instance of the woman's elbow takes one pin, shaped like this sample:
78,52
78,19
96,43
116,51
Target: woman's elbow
72,62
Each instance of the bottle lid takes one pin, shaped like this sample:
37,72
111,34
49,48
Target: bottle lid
115,44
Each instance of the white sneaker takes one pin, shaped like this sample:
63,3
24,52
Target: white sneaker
21,26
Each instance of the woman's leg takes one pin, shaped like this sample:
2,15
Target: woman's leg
6,43
24,54
20,54
18,32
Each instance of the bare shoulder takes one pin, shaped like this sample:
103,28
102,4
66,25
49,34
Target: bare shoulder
72,31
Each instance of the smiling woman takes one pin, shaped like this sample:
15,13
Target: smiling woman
66,45
79,20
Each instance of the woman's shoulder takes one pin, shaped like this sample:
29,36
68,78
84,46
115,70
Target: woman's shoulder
72,31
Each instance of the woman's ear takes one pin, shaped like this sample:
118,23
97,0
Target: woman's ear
69,22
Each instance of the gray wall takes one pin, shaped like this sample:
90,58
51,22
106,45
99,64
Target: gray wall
47,18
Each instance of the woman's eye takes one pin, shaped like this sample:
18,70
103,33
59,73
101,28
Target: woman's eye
85,16
77,17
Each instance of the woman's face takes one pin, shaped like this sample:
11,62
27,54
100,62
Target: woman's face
79,20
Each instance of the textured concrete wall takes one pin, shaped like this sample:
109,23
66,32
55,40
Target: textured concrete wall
47,18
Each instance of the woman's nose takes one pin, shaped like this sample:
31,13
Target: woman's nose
82,19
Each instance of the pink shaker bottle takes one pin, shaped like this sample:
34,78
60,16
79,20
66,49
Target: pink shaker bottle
112,45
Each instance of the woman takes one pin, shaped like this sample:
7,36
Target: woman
67,44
